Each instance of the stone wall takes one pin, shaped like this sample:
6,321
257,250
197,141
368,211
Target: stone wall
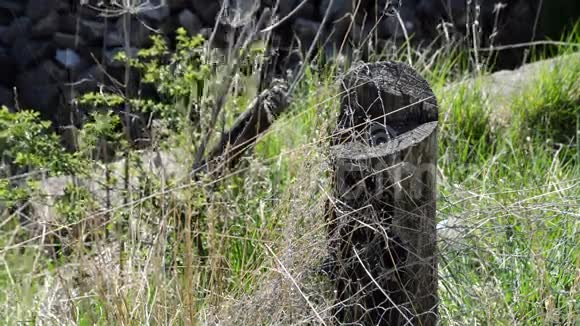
53,50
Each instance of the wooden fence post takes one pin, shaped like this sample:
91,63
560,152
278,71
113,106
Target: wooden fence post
382,218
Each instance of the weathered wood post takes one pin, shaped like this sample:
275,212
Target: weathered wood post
382,217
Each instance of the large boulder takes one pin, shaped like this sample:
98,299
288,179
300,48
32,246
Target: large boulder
139,33
14,7
156,12
6,97
92,31
66,40
207,10
335,8
68,58
176,5
37,9
10,9
7,67
19,28
305,31
46,26
190,22
306,11
29,52
38,89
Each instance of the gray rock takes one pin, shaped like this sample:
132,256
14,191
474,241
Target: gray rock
37,9
387,27
51,69
239,13
38,88
207,10
4,56
139,33
341,17
15,7
454,11
430,8
64,7
7,67
157,11
190,22
338,9
307,11
335,56
113,39
92,53
42,98
391,28
409,17
341,28
430,13
358,34
169,26
306,31
92,31
206,33
154,164
90,11
46,26
65,40
3,30
452,233
68,23
222,37
6,97
5,18
176,5
19,28
89,80
68,58
28,52
503,86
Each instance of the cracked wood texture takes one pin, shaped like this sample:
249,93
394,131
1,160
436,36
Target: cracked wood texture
381,221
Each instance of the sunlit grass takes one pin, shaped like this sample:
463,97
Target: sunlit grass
508,203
